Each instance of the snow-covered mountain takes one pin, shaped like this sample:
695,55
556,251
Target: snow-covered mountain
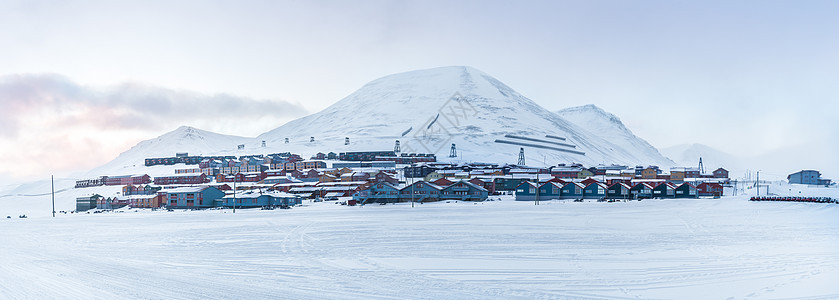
428,110
184,139
608,127
689,154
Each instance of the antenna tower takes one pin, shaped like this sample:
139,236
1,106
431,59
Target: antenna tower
521,157
396,148
453,153
701,166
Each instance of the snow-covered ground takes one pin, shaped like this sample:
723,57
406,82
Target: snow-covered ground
700,249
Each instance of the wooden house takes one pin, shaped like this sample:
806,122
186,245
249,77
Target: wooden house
686,190
619,190
488,184
87,202
709,189
327,178
566,172
641,191
193,197
572,190
720,173
421,191
584,173
465,191
550,191
588,181
181,179
382,176
382,192
147,201
664,190
253,199
442,182
649,173
526,191
355,176
677,174
595,190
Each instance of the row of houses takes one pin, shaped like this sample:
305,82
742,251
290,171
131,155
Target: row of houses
197,197
552,190
433,171
420,191
114,180
206,161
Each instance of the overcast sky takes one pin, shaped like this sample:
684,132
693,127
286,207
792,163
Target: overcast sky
82,81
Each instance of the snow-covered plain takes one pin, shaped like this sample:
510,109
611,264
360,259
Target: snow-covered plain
700,249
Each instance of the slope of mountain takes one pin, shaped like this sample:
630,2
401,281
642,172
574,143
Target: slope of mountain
606,126
688,155
184,139
428,110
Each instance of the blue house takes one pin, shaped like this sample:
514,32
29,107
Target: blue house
420,191
550,191
252,199
572,190
382,192
686,190
465,191
193,197
664,190
595,190
526,191
812,177
619,190
641,191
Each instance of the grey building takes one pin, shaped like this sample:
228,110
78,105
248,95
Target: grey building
807,177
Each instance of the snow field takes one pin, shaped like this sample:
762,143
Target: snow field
682,249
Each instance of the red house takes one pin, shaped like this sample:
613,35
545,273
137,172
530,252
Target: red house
589,181
381,176
442,182
182,179
709,189
241,177
488,185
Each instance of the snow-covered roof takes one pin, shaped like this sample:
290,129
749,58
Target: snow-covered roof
195,189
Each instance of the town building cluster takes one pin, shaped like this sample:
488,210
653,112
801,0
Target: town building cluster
278,179
284,179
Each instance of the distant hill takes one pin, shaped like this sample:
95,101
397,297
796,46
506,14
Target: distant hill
609,127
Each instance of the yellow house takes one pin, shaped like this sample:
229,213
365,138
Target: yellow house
584,173
649,173
433,176
677,174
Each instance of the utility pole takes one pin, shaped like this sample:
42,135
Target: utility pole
412,192
757,183
537,189
235,178
52,183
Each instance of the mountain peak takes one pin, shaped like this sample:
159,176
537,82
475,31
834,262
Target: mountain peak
589,110
429,110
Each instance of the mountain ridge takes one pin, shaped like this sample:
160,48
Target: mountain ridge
427,110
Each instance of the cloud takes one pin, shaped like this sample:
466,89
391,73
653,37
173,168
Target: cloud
50,123
129,105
